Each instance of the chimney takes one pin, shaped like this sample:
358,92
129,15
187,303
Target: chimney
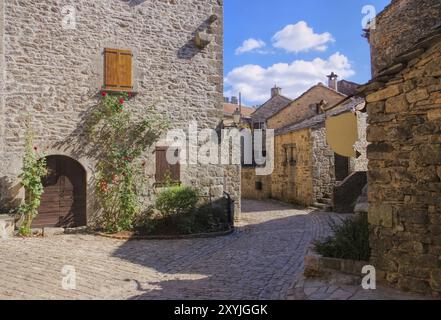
234,100
276,91
332,82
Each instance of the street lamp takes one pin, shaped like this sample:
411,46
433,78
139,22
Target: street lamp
236,117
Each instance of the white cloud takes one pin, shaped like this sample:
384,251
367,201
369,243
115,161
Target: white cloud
300,37
250,45
255,82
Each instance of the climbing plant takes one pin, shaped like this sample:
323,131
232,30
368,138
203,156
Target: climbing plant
119,138
33,170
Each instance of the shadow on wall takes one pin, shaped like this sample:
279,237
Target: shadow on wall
9,195
190,50
252,263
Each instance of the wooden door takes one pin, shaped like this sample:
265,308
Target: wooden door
341,167
63,203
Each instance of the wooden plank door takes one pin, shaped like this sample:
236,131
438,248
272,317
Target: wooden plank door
63,203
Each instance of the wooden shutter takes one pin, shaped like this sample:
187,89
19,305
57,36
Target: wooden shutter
164,169
125,70
118,70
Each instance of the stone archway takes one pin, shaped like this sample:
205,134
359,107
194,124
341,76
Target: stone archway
63,203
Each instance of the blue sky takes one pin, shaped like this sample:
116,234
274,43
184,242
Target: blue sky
293,44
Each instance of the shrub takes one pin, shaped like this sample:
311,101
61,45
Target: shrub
175,200
350,240
186,218
33,170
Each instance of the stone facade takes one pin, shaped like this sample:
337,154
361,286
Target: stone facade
273,105
55,74
291,181
304,164
306,180
399,26
253,186
299,109
404,108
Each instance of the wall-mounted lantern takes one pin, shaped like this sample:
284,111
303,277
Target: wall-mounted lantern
237,117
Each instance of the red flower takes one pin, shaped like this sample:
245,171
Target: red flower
104,93
121,101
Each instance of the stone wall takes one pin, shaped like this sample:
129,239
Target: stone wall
323,172
249,180
55,74
292,182
299,109
360,164
405,169
399,27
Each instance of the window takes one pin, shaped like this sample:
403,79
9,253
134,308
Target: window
164,170
289,154
118,70
259,125
259,185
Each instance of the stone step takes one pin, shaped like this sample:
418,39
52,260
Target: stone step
325,201
322,206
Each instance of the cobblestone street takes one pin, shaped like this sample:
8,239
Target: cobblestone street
261,260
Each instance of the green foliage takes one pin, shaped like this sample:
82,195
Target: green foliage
175,200
119,138
33,170
202,219
350,240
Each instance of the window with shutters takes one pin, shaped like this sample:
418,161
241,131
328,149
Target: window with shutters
118,70
164,170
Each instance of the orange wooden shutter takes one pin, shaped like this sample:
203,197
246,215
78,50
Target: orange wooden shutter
111,69
118,69
125,69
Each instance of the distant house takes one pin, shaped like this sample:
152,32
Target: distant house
306,168
276,103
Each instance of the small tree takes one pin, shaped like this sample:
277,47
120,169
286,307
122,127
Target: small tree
33,170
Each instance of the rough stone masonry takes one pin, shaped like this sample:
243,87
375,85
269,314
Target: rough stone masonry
55,74
404,108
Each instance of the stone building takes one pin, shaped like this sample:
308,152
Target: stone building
55,60
301,108
404,114
276,103
306,169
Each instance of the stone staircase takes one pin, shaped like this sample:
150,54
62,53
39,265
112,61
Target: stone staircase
324,204
347,192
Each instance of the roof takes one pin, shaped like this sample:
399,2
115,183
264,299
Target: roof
319,85
229,109
271,107
350,103
401,62
348,88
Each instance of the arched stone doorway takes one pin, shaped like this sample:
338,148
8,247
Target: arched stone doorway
63,203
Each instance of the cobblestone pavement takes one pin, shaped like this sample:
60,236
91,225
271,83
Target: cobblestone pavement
344,287
261,260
